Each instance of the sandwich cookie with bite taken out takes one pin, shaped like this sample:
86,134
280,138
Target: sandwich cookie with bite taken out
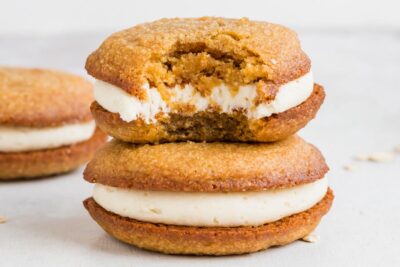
45,123
203,79
208,198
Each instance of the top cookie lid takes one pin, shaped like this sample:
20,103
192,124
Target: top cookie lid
43,98
207,167
217,48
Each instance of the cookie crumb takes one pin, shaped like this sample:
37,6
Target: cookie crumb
381,157
2,219
349,167
376,157
311,238
155,211
110,189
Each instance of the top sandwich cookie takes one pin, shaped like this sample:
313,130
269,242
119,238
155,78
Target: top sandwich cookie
205,79
45,122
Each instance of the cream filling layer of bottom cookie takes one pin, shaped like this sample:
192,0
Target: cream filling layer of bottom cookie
18,139
131,108
210,209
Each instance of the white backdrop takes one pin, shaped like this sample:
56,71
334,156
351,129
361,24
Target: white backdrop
354,47
49,16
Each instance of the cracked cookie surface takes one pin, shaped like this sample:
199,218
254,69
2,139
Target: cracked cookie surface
201,51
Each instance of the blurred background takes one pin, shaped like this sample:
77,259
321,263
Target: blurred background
355,51
47,16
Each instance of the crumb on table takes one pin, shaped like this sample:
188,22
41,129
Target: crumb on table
349,167
311,238
381,157
376,157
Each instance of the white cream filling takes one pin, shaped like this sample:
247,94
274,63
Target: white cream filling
131,108
210,209
16,139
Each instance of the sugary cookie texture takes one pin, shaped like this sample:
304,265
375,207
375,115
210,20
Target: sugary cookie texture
46,126
203,79
208,198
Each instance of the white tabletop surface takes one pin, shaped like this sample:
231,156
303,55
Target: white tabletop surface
48,226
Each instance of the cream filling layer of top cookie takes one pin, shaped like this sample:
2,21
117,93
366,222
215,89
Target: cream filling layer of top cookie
131,108
210,209
17,139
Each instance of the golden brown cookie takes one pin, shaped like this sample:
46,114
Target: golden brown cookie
43,98
47,162
263,51
203,79
45,122
172,239
207,167
178,197
211,126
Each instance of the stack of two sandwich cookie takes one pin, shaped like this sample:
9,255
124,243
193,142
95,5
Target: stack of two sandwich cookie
204,159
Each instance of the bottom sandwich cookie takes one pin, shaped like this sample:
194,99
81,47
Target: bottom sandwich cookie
208,198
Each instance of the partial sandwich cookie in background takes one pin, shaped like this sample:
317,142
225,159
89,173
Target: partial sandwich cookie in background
208,198
203,79
45,123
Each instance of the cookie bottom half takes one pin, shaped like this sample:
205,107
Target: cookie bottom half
173,239
40,163
211,126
